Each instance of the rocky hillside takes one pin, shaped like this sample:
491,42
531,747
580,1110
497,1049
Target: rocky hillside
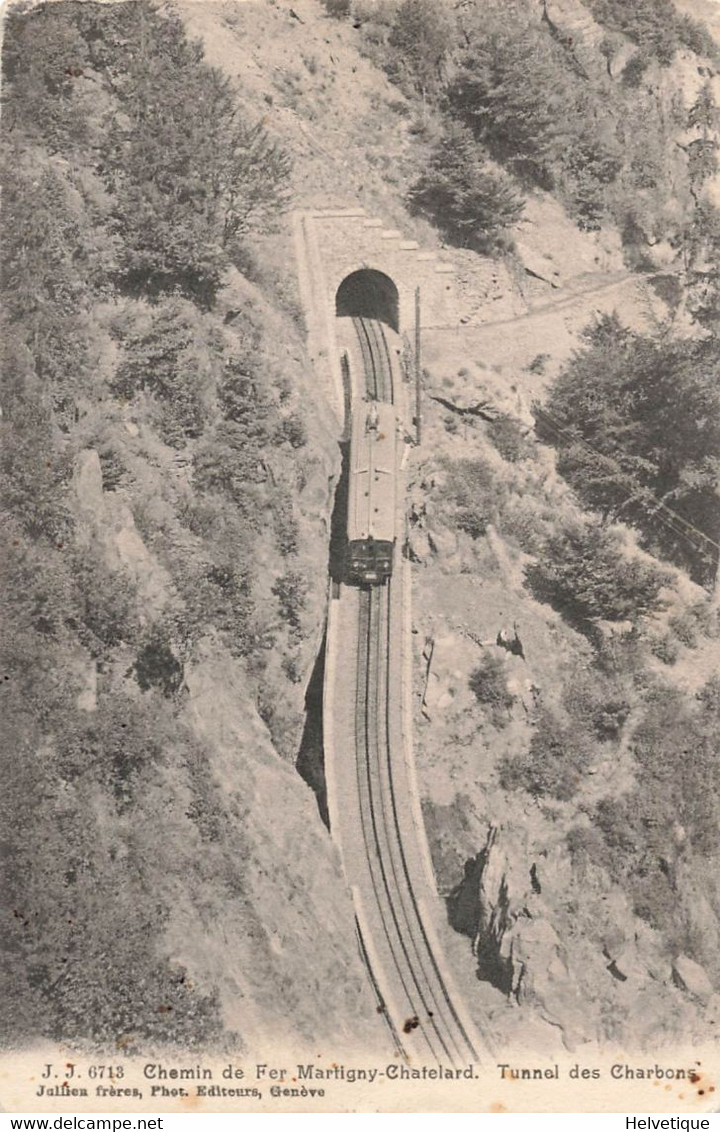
171,462
168,487
564,765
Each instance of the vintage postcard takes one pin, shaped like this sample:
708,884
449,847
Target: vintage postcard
361,527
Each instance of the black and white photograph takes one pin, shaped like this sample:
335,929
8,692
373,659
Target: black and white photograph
360,497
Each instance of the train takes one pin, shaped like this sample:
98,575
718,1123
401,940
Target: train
372,493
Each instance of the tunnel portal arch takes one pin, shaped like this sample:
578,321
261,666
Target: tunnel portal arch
368,293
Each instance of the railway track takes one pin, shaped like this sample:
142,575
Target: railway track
376,358
402,963
429,1013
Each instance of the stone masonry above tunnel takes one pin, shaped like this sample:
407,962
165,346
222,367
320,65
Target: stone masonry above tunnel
347,250
351,264
369,294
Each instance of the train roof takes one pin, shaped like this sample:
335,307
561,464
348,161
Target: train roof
373,471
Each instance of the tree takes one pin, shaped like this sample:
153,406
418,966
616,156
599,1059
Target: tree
702,150
515,93
190,174
43,57
421,36
651,24
469,201
704,112
637,423
590,166
585,574
252,182
169,358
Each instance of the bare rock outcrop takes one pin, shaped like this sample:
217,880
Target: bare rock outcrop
691,977
106,525
572,974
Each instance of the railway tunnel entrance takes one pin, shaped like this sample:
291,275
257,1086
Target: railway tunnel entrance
369,293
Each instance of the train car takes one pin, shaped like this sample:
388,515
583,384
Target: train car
371,499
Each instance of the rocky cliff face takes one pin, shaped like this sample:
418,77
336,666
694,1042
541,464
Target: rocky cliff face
232,843
566,946
257,907
550,930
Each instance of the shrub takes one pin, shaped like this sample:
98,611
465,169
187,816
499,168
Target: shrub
338,9
634,70
182,416
586,575
508,436
166,359
293,430
665,648
207,809
43,55
243,392
696,36
112,468
228,463
709,698
460,194
108,603
220,594
472,490
669,288
692,622
527,522
488,682
291,591
675,744
585,844
35,475
285,523
589,168
156,665
638,850
538,364
555,763
291,669
597,704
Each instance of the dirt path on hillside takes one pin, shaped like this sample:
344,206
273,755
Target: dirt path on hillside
559,304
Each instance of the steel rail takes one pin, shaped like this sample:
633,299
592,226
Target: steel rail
395,898
424,1002
382,1005
421,971
367,358
376,358
405,869
381,337
365,793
